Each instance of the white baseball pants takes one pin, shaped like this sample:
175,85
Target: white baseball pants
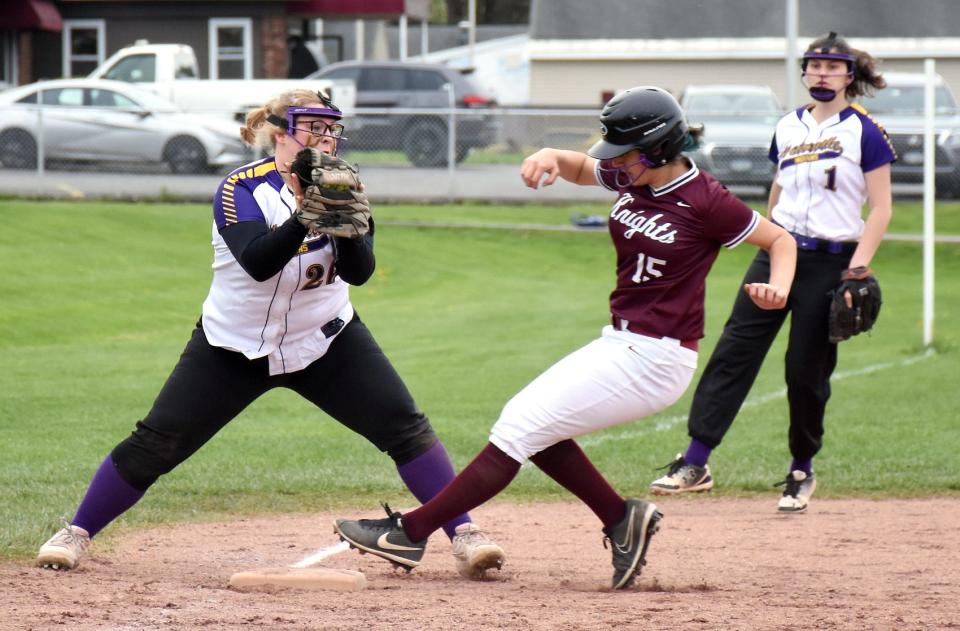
617,378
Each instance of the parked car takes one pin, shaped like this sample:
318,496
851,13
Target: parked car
389,97
172,72
100,120
739,121
899,108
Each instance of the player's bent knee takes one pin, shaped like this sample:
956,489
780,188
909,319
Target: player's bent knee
517,447
412,443
145,456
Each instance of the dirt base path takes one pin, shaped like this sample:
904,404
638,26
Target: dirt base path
717,563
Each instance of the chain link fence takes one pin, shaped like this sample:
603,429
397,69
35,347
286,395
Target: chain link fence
85,137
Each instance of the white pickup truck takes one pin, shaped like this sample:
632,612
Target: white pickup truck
171,70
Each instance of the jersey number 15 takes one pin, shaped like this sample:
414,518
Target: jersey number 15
647,268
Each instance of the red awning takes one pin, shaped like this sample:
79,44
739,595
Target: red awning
27,15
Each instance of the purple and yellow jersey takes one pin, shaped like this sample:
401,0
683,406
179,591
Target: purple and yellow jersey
281,317
236,198
820,168
666,240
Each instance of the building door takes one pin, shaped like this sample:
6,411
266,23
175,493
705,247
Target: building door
84,46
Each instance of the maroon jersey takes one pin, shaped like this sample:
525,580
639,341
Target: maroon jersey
667,239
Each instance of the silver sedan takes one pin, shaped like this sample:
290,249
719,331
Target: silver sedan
99,120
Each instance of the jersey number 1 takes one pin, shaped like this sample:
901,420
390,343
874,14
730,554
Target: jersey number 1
831,184
647,268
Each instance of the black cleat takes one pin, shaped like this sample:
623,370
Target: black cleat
382,537
629,540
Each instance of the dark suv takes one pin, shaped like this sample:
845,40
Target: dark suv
406,106
899,108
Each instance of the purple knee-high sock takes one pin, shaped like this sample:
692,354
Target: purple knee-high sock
426,475
108,497
805,465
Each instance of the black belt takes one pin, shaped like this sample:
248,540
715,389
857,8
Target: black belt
813,244
332,327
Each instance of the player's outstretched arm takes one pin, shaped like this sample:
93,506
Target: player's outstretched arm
783,263
549,164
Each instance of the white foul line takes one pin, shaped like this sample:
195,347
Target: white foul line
320,555
671,421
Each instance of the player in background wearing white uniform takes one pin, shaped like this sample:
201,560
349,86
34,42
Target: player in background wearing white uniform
831,157
278,314
668,224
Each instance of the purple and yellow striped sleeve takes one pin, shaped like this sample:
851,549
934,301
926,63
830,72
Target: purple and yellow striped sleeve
234,202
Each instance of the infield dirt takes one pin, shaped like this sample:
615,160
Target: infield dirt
717,563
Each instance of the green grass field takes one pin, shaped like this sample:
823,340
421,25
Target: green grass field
99,299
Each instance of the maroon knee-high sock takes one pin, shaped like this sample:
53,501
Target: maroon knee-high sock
489,473
566,463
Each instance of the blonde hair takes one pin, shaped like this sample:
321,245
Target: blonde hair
258,132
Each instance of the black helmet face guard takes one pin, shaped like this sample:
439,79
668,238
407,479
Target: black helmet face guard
822,93
621,174
830,50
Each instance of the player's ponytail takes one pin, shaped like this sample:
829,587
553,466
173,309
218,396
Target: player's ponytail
866,79
254,121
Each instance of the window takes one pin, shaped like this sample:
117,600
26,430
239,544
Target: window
185,65
83,46
109,98
426,80
909,100
59,96
382,79
134,69
8,59
231,48
351,74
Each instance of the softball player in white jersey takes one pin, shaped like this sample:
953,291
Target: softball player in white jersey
278,314
667,225
831,157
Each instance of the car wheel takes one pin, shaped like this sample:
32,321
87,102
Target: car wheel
425,143
18,149
185,155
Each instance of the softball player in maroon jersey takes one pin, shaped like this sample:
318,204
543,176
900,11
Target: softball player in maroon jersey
668,223
831,156
278,315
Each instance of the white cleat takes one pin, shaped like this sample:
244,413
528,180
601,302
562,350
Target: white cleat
64,549
682,477
799,489
474,552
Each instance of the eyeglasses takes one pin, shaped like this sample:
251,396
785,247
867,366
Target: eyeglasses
320,129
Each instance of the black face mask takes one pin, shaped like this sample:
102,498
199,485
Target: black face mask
824,95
